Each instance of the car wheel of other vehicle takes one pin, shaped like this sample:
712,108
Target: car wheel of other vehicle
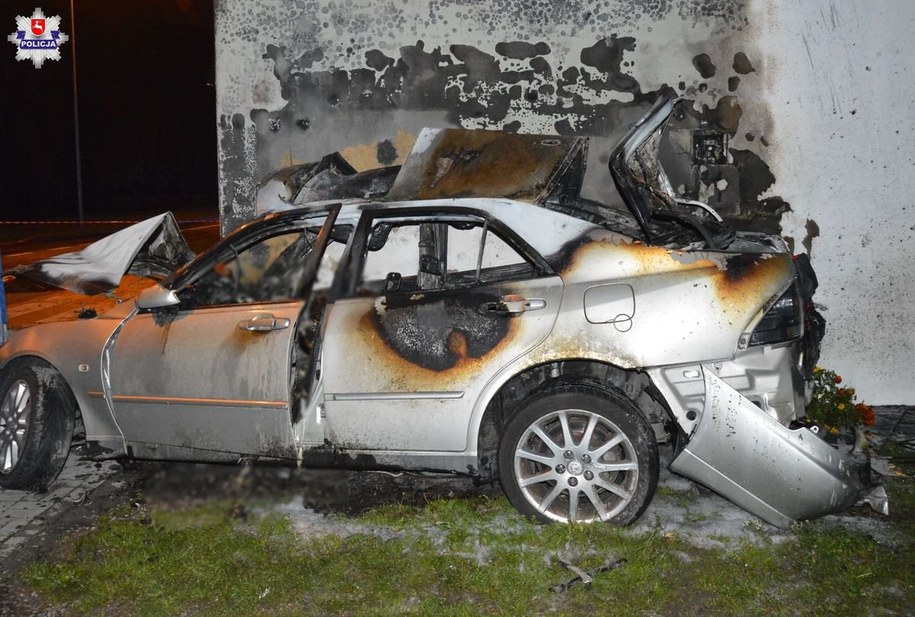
579,454
37,415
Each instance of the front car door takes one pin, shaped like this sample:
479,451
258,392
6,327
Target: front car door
216,374
435,306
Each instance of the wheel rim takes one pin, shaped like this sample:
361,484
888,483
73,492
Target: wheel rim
14,421
576,465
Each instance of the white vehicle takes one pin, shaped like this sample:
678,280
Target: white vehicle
468,313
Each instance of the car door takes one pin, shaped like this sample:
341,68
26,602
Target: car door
435,308
216,372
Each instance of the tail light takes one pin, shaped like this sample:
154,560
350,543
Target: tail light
783,322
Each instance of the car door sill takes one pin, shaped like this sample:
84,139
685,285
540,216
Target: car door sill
388,396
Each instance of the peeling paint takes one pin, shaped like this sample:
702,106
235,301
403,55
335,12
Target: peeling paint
742,64
704,65
351,73
813,231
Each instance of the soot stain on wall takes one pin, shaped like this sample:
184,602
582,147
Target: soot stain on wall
596,96
469,85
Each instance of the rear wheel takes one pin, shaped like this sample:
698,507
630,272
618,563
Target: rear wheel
37,415
579,453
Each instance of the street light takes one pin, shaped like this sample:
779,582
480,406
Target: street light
79,167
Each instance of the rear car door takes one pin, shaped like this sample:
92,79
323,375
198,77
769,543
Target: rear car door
435,307
216,372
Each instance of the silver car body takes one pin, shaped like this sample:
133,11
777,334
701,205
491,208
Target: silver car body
377,368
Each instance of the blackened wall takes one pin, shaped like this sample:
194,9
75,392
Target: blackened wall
298,79
774,89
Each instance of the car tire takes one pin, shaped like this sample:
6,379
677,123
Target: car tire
550,472
37,417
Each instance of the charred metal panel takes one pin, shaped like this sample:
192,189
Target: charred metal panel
720,294
154,247
437,330
280,189
455,163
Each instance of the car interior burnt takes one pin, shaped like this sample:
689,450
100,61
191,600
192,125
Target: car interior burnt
436,305
267,271
638,174
446,255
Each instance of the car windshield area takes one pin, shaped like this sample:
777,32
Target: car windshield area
274,265
269,270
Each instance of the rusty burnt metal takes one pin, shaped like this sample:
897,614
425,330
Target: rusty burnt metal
296,177
419,343
733,276
458,163
441,331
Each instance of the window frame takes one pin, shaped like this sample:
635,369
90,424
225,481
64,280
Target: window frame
243,238
353,261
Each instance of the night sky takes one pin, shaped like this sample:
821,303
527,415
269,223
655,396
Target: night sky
145,73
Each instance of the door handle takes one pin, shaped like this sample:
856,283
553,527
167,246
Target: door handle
263,322
512,305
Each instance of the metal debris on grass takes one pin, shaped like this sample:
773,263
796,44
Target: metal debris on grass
585,578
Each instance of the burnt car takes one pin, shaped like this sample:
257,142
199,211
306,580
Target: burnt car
467,313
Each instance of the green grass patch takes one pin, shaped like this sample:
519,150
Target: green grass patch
465,556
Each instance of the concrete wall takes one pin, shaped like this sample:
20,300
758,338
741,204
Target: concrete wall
798,94
842,89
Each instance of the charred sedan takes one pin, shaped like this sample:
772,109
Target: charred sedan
469,312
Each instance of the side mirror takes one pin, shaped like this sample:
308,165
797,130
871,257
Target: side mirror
155,297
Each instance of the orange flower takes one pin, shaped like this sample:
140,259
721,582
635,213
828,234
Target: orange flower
842,392
866,414
838,379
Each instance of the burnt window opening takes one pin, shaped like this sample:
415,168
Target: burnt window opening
271,269
421,256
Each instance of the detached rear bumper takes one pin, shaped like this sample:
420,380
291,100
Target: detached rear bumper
779,474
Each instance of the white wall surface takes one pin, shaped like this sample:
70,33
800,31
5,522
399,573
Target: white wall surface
841,88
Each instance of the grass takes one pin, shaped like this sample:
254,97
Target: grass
467,556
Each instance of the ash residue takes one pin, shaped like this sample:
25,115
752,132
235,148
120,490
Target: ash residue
325,491
320,502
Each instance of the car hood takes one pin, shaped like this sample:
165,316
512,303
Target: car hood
154,247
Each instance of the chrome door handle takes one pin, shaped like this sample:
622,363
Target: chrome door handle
263,322
512,305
